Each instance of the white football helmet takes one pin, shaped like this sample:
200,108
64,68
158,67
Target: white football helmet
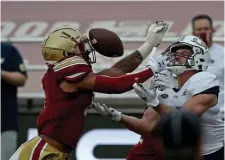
66,41
198,59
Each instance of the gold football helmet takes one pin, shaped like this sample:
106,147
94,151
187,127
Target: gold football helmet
66,41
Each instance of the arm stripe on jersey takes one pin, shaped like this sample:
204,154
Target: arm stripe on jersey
58,69
37,150
75,75
32,152
64,63
73,59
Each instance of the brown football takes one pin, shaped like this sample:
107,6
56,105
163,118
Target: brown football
106,42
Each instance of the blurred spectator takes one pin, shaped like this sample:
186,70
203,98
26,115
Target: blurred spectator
202,26
180,133
13,75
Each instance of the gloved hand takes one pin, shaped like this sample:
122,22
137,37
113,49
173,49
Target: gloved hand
157,63
165,79
156,32
149,96
107,111
154,37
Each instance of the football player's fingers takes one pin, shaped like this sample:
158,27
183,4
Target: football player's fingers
134,85
94,105
138,90
160,23
162,26
106,108
103,107
142,88
150,93
159,28
166,27
100,108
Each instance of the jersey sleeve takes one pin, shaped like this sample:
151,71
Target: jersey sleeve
72,69
204,82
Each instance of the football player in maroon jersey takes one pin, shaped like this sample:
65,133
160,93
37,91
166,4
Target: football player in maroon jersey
69,84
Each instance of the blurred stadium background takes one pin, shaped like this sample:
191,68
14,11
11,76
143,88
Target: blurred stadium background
26,23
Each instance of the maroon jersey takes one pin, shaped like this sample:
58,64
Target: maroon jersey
148,148
63,116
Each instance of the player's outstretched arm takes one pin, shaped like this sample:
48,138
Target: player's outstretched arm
114,85
140,126
121,84
128,64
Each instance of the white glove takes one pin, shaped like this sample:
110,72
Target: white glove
157,63
149,96
166,79
107,111
154,37
156,32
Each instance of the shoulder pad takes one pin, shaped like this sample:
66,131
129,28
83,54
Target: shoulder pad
201,82
75,60
72,69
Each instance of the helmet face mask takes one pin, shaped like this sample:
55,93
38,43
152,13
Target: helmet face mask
181,56
85,49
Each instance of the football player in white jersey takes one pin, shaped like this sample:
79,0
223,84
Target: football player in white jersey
196,91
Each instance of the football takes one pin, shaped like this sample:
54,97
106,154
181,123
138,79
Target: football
106,42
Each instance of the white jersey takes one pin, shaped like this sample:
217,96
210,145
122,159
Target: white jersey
212,124
217,67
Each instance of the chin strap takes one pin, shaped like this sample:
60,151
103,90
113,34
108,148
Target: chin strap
177,70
